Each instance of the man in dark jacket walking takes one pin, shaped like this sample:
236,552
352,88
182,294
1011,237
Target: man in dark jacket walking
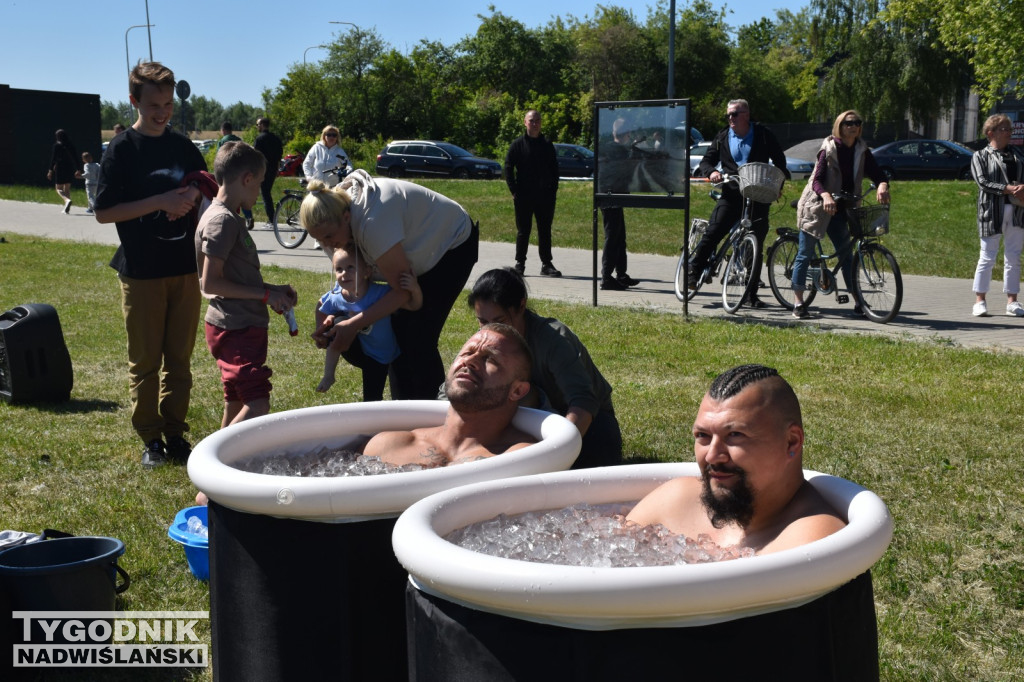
531,171
742,142
270,146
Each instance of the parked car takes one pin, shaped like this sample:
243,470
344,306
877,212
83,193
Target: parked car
204,145
574,161
798,168
291,164
695,136
924,160
432,158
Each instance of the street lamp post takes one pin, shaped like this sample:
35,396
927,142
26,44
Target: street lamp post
128,61
359,31
149,33
347,23
311,47
671,90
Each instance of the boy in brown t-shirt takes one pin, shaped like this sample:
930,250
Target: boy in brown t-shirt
229,275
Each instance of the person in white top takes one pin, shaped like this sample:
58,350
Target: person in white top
399,227
326,155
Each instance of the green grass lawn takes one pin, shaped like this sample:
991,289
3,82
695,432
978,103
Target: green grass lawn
933,224
933,430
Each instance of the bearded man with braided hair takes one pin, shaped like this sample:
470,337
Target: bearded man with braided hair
748,441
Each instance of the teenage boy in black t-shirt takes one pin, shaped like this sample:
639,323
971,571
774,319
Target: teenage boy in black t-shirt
140,189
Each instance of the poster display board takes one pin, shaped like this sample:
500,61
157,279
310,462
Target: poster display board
642,153
642,160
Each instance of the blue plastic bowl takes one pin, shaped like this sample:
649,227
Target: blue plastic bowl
197,548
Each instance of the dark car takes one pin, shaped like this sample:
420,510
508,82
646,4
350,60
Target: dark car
433,159
574,161
924,160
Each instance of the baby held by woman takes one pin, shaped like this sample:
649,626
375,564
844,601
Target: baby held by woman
355,292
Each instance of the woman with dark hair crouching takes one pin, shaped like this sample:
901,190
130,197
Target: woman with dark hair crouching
564,379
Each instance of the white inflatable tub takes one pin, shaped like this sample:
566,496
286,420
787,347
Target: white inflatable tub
354,498
615,598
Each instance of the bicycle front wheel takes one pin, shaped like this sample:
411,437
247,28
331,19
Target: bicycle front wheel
287,227
781,257
682,290
877,282
741,272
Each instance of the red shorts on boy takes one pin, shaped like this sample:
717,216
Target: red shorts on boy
241,355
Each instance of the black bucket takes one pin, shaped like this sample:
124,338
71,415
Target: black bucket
67,574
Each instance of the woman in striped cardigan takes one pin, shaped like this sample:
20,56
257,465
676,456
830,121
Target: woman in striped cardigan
999,171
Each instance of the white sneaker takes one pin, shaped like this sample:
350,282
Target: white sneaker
1015,309
980,309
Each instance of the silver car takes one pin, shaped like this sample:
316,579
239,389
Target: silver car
798,168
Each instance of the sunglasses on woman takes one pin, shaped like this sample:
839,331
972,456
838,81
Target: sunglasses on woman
852,124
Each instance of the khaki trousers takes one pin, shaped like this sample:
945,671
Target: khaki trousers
160,316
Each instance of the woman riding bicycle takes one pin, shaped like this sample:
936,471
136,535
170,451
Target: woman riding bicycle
843,161
324,156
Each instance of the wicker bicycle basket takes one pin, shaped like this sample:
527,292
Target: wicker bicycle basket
761,182
869,221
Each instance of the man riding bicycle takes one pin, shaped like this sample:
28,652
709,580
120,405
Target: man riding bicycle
742,142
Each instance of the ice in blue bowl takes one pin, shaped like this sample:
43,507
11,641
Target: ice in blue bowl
197,546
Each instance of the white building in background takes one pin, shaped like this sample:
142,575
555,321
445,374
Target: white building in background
962,123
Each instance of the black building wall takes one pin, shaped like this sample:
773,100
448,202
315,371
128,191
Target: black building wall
28,120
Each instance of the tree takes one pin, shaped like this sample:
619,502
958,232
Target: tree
504,56
702,57
884,69
241,115
111,113
768,66
985,35
350,60
616,56
209,113
302,104
439,84
396,99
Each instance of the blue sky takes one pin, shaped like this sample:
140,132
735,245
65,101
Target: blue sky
231,50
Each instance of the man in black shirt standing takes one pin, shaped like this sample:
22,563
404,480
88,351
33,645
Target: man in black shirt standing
270,146
531,171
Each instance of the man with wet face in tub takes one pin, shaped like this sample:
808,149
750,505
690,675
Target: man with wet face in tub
488,377
748,441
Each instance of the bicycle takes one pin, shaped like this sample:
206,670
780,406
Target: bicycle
877,284
740,250
288,228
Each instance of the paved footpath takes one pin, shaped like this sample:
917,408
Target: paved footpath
934,308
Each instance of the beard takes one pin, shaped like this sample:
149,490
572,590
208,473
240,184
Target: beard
475,398
729,505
